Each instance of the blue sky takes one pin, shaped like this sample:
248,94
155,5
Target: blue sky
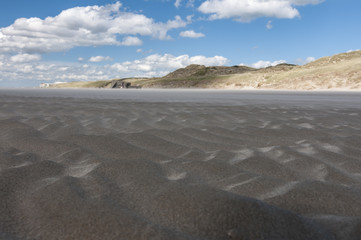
71,40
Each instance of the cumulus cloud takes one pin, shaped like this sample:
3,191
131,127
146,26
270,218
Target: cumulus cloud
191,34
301,61
131,41
19,58
269,25
353,50
82,26
2,57
310,59
100,59
158,65
177,3
263,64
154,65
247,10
190,3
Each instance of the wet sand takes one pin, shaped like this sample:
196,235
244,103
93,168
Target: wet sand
179,164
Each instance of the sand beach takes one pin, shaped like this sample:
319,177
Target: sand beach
179,164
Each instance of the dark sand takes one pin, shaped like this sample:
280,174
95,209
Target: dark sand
162,164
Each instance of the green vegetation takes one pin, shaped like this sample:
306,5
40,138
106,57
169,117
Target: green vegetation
95,84
181,82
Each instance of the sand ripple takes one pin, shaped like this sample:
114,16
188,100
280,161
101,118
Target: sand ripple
75,168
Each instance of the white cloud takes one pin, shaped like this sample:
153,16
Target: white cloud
19,58
45,67
189,19
310,59
139,50
247,10
26,69
131,41
213,61
269,25
154,65
191,34
190,3
301,61
263,64
159,65
63,69
177,3
82,26
353,50
100,59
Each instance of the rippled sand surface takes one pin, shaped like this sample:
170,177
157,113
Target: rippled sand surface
163,164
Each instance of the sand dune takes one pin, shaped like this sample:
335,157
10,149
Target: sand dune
179,165
338,72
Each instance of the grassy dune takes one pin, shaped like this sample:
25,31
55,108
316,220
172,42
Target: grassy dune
96,84
342,71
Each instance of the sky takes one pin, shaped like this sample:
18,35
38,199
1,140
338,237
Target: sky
44,41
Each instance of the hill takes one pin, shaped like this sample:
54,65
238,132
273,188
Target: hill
195,70
341,71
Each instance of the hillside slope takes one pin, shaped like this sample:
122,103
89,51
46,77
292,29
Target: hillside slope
195,70
341,71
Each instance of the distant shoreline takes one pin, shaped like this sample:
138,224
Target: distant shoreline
209,96
338,72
